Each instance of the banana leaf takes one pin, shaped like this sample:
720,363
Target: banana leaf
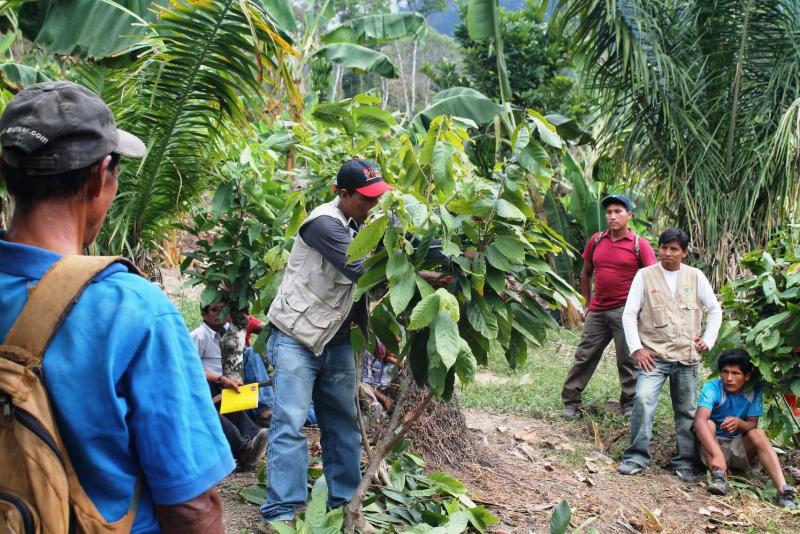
88,28
458,102
16,77
481,19
359,57
376,29
280,11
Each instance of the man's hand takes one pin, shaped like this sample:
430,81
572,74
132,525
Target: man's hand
436,279
700,345
229,383
731,424
645,359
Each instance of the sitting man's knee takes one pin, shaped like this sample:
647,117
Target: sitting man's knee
757,436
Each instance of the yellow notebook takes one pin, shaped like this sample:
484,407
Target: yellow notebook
246,399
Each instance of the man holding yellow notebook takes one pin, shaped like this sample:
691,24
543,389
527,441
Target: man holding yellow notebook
247,441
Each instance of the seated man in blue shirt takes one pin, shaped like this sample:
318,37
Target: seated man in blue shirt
726,425
125,385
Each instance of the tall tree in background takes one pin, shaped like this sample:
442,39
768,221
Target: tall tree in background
702,94
538,63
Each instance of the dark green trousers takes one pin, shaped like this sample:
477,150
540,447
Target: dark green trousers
599,328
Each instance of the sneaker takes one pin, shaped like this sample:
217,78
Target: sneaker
786,498
627,411
253,451
570,412
685,475
718,486
630,468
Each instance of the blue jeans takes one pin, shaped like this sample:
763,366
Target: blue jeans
255,371
683,390
330,380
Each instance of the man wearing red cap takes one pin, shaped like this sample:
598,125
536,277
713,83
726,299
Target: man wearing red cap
309,347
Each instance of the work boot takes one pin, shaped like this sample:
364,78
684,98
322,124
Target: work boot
253,451
630,468
685,475
570,412
786,498
718,486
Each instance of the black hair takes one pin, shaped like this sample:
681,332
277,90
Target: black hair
674,234
29,189
736,358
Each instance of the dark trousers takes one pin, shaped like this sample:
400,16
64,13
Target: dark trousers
599,328
238,427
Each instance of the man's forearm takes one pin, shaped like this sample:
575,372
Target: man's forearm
201,515
586,287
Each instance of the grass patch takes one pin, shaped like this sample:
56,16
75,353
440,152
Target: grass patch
189,308
535,389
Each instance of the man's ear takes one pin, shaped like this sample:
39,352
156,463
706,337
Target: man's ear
98,174
747,377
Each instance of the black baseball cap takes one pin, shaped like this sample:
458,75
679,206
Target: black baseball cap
363,176
617,199
55,127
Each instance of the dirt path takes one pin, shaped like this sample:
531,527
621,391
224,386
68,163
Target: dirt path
527,477
533,474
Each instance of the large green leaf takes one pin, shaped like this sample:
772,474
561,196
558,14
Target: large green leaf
367,238
459,102
444,339
424,312
17,77
481,19
281,12
358,57
375,29
88,28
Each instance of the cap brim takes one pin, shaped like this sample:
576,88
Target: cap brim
129,145
615,200
374,190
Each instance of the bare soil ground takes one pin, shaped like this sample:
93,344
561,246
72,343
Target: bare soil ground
533,464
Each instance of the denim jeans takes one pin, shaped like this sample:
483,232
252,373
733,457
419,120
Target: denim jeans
683,390
255,371
330,380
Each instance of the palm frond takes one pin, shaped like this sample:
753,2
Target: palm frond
209,68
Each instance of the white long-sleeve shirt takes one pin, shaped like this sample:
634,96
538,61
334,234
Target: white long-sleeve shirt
705,294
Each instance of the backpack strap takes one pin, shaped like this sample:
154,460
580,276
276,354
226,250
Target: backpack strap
595,241
52,298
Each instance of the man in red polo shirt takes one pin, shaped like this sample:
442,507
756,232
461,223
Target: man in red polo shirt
613,257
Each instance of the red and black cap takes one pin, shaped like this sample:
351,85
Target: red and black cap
363,176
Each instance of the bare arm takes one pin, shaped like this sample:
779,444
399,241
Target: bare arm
702,429
586,281
201,515
734,424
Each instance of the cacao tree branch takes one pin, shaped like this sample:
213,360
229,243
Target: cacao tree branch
394,432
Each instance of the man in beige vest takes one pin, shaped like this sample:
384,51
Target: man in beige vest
663,320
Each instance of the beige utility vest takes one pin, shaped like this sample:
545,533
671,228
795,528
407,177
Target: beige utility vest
314,298
668,323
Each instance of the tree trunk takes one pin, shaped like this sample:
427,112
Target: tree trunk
414,77
232,346
394,432
403,83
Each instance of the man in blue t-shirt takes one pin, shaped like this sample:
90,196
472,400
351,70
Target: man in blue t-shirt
726,425
124,380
